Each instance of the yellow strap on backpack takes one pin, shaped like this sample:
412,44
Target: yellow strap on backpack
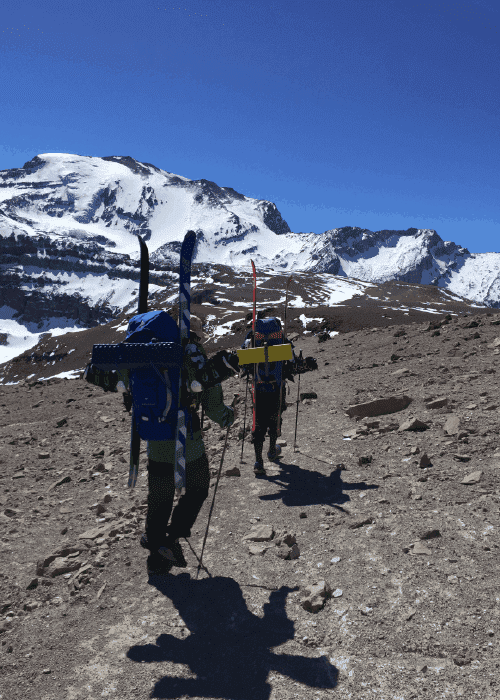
275,353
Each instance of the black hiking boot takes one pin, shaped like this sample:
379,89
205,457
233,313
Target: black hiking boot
273,455
158,565
172,552
258,469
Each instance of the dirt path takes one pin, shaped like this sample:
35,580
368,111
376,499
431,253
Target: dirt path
410,606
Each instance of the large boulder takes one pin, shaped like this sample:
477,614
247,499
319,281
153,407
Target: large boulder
379,407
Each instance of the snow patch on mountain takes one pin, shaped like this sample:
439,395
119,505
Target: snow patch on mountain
70,256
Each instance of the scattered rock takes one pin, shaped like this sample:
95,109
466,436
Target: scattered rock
430,534
316,595
472,478
61,553
424,461
413,424
233,472
452,425
360,523
258,548
400,372
64,480
420,548
283,537
94,533
379,407
259,533
437,403
285,552
59,566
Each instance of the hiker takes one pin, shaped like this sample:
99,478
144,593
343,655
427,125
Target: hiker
161,539
267,416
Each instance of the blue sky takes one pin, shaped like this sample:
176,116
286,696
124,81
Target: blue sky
378,114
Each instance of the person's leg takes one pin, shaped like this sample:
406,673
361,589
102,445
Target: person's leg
273,421
273,436
189,505
259,433
160,499
258,444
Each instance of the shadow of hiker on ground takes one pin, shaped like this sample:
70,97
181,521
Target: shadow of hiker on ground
306,488
229,648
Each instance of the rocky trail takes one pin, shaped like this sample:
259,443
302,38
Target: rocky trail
364,565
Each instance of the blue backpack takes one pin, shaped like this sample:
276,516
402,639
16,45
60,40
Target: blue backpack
155,389
268,378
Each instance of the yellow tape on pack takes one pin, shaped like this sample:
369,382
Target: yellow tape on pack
275,353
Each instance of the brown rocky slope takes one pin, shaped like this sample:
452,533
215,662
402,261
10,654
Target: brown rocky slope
364,565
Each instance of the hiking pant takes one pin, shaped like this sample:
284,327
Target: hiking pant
161,498
266,418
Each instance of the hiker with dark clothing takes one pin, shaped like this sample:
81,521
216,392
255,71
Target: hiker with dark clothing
161,538
267,407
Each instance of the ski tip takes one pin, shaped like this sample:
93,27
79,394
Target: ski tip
188,244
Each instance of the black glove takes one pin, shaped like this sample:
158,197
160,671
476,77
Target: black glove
106,379
127,400
289,370
305,364
311,364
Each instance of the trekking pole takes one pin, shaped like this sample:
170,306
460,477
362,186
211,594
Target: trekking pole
200,564
244,420
198,558
296,416
283,366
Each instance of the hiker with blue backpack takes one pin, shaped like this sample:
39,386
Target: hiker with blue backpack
161,538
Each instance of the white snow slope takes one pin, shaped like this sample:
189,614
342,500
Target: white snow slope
69,252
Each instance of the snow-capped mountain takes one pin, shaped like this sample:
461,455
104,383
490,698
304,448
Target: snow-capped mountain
70,256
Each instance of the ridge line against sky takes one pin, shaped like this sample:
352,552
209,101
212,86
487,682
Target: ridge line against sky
381,114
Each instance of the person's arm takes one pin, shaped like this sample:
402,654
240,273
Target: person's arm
123,376
212,401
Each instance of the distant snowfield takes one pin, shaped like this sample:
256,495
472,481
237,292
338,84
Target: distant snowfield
84,201
21,338
331,291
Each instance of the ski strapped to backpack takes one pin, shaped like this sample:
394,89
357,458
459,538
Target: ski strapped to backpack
154,356
165,375
253,389
184,325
